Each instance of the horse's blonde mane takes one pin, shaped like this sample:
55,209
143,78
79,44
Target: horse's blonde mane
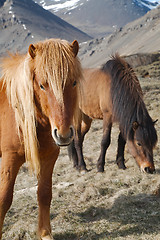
55,62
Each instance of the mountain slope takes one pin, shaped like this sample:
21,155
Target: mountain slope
23,22
150,4
98,18
139,36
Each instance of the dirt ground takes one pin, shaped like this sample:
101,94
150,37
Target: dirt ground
116,204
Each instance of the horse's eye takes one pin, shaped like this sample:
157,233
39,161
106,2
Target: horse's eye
74,83
42,87
139,144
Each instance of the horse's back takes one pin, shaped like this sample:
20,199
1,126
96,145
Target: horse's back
95,94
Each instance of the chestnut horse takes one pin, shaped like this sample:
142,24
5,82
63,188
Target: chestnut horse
113,93
38,102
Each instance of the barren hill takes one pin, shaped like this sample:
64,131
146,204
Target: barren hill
23,22
139,36
98,18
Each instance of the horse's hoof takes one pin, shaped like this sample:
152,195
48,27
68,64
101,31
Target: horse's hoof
84,171
45,235
76,168
47,238
120,163
100,169
121,166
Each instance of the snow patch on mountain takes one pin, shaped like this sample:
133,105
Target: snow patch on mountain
69,5
57,5
149,4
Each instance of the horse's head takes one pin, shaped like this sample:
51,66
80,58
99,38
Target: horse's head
141,146
56,76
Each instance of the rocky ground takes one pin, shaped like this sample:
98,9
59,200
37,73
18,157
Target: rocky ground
116,204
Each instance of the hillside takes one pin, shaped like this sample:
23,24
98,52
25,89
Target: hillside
23,22
139,36
98,18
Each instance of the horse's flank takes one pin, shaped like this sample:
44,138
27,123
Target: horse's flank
56,63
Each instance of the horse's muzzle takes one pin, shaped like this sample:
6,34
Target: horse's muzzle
63,140
148,169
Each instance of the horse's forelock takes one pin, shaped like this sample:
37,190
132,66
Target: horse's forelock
145,132
57,64
147,137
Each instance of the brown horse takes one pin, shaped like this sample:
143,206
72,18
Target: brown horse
38,102
113,93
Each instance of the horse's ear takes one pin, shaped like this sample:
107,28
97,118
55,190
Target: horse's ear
32,51
75,47
154,122
135,125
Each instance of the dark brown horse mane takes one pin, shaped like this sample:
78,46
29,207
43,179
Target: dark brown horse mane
127,100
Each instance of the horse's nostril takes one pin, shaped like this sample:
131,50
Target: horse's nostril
63,139
149,170
72,132
55,132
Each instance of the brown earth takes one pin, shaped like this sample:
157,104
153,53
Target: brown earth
116,204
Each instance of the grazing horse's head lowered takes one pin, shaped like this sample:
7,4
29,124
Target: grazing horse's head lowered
38,101
141,141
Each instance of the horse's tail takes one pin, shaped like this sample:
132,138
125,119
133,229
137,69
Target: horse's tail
126,91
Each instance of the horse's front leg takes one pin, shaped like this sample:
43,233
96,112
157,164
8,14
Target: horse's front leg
79,138
10,164
106,139
72,153
45,195
120,152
